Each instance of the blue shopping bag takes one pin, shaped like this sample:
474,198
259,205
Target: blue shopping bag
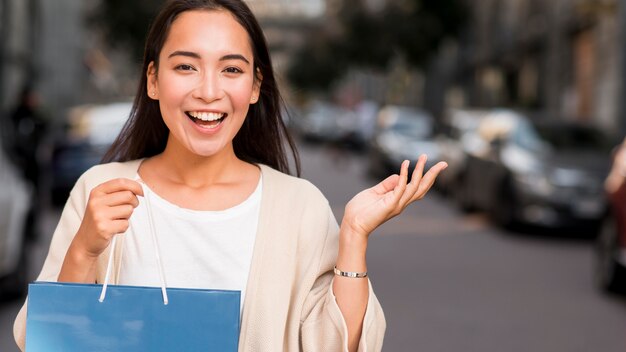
69,317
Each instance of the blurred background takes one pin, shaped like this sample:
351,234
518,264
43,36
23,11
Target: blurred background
522,244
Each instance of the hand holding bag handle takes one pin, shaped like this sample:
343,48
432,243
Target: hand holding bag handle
134,318
156,248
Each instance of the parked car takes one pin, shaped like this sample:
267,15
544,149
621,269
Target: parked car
366,113
403,133
91,129
610,254
536,171
16,207
320,122
454,142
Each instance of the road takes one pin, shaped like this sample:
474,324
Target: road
453,282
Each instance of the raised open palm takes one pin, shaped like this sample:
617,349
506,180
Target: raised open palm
374,206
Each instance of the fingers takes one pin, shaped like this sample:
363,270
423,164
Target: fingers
119,185
113,227
120,212
121,197
109,203
387,184
416,178
420,183
398,191
117,192
428,180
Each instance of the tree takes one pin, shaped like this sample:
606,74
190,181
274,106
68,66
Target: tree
412,29
126,23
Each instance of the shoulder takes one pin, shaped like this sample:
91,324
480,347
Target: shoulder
290,187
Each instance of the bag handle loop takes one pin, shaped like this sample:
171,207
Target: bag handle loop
156,249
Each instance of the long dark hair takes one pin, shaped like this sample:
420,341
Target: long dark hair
262,136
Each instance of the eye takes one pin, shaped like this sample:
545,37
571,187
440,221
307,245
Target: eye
232,70
184,67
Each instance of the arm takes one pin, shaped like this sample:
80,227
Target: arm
364,213
617,174
107,213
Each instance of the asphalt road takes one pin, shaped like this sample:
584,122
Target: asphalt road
453,282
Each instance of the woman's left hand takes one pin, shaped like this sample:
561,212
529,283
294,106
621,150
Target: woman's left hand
374,206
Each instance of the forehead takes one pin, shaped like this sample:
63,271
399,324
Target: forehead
206,31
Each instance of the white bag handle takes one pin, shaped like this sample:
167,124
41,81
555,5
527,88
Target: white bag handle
156,249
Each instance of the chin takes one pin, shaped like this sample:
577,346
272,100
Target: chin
208,151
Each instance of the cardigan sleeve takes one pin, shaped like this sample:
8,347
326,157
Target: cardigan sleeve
64,233
323,327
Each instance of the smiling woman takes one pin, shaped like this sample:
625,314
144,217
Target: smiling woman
204,142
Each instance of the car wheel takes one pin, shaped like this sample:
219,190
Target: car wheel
609,274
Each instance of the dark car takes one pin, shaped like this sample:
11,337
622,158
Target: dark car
91,129
403,133
610,263
541,172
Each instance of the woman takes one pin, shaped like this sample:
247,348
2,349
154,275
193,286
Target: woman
205,141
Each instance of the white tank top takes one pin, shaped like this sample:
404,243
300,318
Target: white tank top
199,249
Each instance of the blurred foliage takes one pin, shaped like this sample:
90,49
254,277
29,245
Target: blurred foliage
318,63
412,29
126,23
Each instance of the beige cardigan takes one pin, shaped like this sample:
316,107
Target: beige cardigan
289,303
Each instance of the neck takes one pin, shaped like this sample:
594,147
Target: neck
184,167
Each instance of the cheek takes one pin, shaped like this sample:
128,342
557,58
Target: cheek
173,88
241,92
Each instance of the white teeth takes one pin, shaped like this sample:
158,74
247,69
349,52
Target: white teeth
206,116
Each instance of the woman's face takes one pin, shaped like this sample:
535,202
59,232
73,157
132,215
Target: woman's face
205,81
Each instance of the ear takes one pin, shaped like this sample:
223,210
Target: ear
152,88
256,86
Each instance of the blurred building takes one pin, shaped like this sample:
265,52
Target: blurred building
19,25
566,57
64,42
286,25
50,46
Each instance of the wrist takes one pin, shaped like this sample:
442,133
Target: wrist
79,254
352,250
351,239
78,266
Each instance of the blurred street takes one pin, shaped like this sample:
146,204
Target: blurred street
521,246
452,282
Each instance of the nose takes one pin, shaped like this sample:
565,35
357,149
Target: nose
209,88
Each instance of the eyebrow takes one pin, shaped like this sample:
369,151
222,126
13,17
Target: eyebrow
197,56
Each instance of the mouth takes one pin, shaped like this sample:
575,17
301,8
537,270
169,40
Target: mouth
206,119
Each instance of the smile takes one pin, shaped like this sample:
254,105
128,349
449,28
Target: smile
206,119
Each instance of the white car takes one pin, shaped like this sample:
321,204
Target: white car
403,133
